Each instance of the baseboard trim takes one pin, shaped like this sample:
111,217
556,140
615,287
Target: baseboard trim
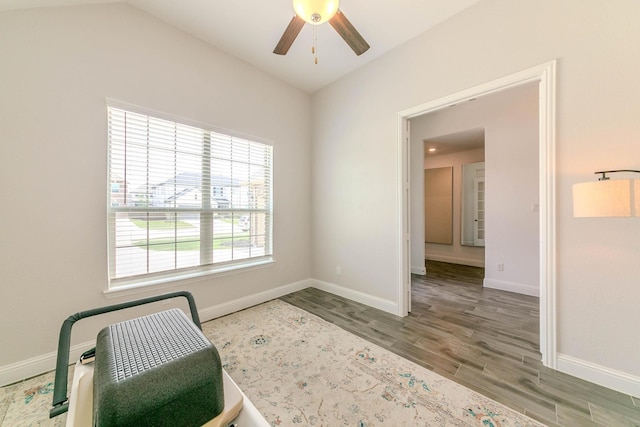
229,307
610,378
519,288
357,296
419,270
456,260
38,365
606,377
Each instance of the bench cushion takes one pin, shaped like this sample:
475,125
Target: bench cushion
156,370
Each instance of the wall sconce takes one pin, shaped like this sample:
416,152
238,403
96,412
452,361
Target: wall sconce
607,198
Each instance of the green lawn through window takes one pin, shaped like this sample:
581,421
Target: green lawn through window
160,224
191,244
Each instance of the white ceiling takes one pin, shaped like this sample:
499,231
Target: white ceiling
250,29
465,140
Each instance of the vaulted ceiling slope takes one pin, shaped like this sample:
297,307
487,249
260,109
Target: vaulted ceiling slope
250,29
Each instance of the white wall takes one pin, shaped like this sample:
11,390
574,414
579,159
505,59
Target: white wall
510,120
355,165
455,253
58,65
512,174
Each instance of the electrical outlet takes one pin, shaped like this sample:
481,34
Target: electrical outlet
500,266
339,271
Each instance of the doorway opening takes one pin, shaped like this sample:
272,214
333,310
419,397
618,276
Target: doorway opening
449,139
544,76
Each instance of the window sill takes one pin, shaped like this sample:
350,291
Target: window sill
143,285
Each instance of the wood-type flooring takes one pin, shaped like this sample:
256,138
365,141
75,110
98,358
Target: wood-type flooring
484,339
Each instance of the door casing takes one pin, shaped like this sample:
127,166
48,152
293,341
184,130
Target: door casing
545,76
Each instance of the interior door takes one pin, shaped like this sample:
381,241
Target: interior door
478,211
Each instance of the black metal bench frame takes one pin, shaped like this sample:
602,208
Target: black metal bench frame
60,399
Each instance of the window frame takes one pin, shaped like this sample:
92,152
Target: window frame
170,276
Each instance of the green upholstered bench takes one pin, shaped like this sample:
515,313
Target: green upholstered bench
156,370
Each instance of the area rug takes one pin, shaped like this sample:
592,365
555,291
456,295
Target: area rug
298,369
27,403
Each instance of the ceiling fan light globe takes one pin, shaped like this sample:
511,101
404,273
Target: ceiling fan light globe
309,10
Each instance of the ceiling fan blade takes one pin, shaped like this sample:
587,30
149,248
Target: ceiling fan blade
349,33
289,35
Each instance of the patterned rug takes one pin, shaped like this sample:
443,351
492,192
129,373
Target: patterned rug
27,403
299,370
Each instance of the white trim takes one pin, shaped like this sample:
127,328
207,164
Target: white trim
456,260
421,270
357,296
229,307
597,374
38,365
545,76
181,279
520,288
46,362
547,160
403,217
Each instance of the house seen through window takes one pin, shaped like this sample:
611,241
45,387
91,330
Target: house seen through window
184,198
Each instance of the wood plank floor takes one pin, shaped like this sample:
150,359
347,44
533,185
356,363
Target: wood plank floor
484,339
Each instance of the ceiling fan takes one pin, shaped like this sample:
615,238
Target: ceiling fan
316,12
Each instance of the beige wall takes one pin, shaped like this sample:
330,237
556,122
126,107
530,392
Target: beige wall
355,146
59,64
455,253
57,67
510,121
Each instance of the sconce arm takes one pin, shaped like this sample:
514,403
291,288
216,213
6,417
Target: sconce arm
605,177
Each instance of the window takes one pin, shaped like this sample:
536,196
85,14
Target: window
184,199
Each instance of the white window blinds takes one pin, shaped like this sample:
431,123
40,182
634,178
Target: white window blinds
184,198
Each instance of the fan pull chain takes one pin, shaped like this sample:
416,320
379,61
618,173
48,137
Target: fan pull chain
314,48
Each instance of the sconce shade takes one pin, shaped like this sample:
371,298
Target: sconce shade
607,198
316,11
